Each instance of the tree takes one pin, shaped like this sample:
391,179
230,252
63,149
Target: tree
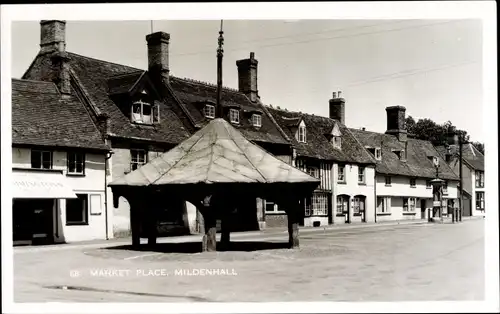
426,129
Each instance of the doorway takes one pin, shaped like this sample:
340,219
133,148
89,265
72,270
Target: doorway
33,221
422,209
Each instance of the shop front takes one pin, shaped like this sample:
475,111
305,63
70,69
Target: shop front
35,205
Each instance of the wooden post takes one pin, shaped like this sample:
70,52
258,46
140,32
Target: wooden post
225,225
293,223
151,225
135,222
209,239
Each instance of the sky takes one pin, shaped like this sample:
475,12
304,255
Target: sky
431,67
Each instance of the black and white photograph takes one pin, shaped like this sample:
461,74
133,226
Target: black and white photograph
223,157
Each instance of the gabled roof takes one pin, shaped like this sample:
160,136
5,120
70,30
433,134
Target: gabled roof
418,162
218,153
40,116
317,144
94,76
194,93
102,80
470,154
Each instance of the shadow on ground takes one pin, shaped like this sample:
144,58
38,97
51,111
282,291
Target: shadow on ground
195,247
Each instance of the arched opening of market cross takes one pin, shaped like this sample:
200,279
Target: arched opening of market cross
216,170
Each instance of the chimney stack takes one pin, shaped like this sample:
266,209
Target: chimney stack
52,36
158,57
247,77
337,107
53,42
396,124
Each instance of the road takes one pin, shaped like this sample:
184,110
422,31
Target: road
425,262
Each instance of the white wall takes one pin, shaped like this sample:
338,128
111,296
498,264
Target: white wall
400,187
92,183
353,188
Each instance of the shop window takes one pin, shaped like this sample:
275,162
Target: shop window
409,204
317,205
77,210
359,204
383,205
342,204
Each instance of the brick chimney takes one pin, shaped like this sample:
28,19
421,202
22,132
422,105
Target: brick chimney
53,43
158,57
337,107
52,36
396,122
247,77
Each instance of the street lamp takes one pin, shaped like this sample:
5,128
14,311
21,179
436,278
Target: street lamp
437,192
454,138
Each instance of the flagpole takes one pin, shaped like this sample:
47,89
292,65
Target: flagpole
220,52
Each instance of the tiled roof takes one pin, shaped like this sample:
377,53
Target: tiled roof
217,153
102,80
40,116
95,75
317,144
124,83
470,154
194,94
418,162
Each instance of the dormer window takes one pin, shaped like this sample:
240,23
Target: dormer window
257,120
400,154
209,111
145,113
337,142
234,116
302,134
376,152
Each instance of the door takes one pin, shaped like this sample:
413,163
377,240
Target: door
42,221
422,209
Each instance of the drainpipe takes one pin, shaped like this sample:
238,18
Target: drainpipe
108,156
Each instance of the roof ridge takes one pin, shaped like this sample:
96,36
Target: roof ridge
204,83
103,61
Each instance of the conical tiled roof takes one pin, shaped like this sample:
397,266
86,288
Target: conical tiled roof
218,153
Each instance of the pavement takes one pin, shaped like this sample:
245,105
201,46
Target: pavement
389,262
234,235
